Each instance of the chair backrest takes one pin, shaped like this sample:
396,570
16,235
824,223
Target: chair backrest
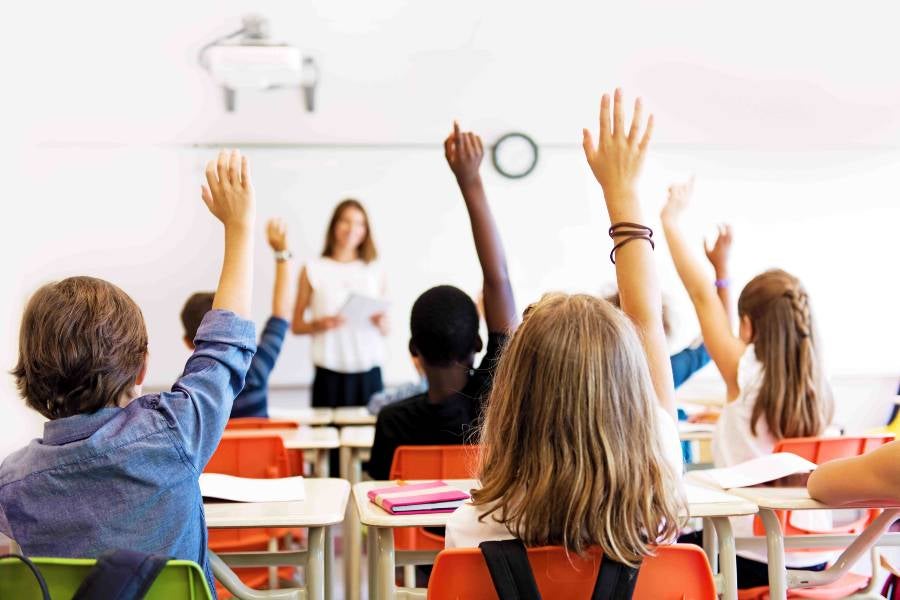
823,449
261,457
434,462
179,580
260,423
677,572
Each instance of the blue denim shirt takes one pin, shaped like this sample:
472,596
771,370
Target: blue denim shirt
253,401
127,477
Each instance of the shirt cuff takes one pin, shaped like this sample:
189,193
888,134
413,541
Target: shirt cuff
223,326
277,325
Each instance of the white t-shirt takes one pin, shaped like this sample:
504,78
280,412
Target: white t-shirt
346,349
464,530
733,443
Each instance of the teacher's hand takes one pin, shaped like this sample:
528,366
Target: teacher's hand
326,323
382,322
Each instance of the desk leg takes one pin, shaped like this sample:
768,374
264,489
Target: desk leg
329,562
384,557
352,530
727,557
322,462
775,552
315,564
710,545
372,560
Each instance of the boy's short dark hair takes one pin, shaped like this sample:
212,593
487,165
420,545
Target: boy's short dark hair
192,314
444,325
82,345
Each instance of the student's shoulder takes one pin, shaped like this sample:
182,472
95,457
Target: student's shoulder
402,409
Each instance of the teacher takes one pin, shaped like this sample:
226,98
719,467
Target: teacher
347,356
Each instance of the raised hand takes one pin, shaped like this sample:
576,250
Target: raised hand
276,232
229,192
617,157
679,199
464,152
718,253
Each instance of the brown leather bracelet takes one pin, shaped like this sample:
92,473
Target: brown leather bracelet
612,253
630,227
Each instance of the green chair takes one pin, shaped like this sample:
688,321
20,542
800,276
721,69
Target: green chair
179,580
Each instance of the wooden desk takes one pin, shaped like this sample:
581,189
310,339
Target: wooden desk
713,507
353,415
318,440
356,442
324,506
303,416
771,499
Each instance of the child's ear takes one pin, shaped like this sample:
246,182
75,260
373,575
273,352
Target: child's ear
189,343
413,351
478,345
139,380
746,329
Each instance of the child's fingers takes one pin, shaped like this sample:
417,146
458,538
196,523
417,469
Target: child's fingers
448,146
245,172
604,117
478,145
234,168
587,143
222,168
467,144
211,178
618,117
635,122
206,195
647,134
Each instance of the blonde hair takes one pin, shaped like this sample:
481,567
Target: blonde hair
794,398
366,249
570,449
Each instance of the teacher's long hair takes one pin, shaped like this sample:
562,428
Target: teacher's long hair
366,249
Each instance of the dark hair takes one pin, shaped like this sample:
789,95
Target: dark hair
444,325
192,314
667,326
82,344
366,248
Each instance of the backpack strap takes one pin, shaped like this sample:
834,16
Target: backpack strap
615,581
45,593
121,575
510,571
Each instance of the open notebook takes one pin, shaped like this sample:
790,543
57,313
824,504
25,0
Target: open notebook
245,489
753,472
419,498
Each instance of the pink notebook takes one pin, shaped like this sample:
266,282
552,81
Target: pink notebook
419,498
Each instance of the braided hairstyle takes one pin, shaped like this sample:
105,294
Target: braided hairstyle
794,398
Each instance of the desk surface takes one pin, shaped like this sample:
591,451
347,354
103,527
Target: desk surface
353,415
303,416
325,504
795,498
358,436
302,438
702,502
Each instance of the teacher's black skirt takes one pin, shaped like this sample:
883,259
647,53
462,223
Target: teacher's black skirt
332,389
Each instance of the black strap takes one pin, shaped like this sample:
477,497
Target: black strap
121,575
45,593
510,571
615,581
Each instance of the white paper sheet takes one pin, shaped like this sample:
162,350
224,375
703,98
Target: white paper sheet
358,309
753,472
245,489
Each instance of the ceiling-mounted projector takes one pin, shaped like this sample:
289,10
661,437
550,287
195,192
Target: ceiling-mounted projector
249,60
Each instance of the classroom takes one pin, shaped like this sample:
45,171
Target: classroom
335,300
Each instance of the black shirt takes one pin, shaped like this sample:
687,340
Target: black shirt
418,422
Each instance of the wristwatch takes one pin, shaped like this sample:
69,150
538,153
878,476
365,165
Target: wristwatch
283,255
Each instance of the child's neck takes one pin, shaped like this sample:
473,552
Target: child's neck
443,382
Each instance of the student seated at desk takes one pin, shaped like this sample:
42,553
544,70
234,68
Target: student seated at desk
444,324
772,370
253,400
579,445
872,476
115,468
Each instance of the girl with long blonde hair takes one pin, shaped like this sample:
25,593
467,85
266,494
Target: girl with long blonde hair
579,446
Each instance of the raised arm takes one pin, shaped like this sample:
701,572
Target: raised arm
872,476
725,349
229,196
464,152
616,161
276,231
717,255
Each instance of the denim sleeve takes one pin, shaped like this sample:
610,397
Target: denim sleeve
4,524
687,362
199,404
266,352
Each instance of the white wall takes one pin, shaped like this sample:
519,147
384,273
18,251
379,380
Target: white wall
787,114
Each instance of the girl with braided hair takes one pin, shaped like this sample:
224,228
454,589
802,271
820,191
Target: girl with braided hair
772,370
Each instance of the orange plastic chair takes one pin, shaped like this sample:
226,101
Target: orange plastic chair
429,462
260,423
820,450
261,457
676,572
